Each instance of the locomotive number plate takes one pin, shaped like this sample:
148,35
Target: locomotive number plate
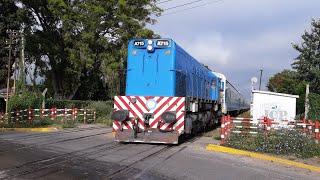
138,43
163,43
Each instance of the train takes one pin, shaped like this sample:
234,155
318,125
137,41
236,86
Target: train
169,94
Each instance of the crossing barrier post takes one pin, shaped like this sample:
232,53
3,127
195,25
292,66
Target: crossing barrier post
304,125
41,113
85,116
17,116
222,130
52,113
94,116
316,130
29,115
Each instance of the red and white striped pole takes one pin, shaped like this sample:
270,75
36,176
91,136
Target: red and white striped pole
268,124
304,125
222,130
55,112
41,113
228,125
265,125
85,116
17,116
316,131
52,113
29,115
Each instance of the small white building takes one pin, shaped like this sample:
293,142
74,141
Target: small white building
276,106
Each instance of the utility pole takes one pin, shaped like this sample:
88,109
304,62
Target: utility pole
306,103
9,62
261,70
12,39
22,77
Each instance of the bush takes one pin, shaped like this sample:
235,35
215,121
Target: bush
103,111
314,102
103,108
37,122
24,101
66,103
284,142
32,100
68,123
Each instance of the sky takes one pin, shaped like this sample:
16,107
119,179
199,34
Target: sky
239,37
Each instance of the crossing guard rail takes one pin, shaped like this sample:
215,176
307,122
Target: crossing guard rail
265,125
87,115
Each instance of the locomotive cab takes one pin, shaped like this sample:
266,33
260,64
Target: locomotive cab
151,68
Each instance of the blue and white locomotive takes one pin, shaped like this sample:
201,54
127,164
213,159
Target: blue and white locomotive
168,93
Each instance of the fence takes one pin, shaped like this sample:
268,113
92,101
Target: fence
29,115
249,126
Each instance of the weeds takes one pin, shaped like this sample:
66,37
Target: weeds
282,142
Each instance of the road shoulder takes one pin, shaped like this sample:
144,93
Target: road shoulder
218,148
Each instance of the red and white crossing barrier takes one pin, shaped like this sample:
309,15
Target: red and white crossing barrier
19,116
250,126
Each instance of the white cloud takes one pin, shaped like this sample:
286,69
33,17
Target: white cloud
209,49
238,37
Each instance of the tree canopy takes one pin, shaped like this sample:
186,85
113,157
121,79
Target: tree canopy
307,64
11,17
79,46
306,69
286,81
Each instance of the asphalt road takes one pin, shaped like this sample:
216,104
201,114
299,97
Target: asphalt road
90,153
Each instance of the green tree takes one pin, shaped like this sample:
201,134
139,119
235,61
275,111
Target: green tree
288,82
76,43
307,64
11,17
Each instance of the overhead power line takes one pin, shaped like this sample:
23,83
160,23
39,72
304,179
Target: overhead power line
193,7
163,1
181,5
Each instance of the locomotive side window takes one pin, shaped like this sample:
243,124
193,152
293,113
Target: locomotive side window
213,85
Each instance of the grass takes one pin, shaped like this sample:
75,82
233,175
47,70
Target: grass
105,121
283,142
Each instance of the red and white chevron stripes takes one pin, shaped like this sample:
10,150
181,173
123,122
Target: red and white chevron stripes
137,106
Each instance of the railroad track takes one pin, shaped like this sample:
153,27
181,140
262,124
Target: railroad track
154,155
59,140
39,135
89,157
48,163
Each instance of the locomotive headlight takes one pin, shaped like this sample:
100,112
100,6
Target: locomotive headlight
120,115
149,48
150,42
151,104
169,117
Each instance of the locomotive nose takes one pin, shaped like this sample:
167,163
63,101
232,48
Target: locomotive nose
120,115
